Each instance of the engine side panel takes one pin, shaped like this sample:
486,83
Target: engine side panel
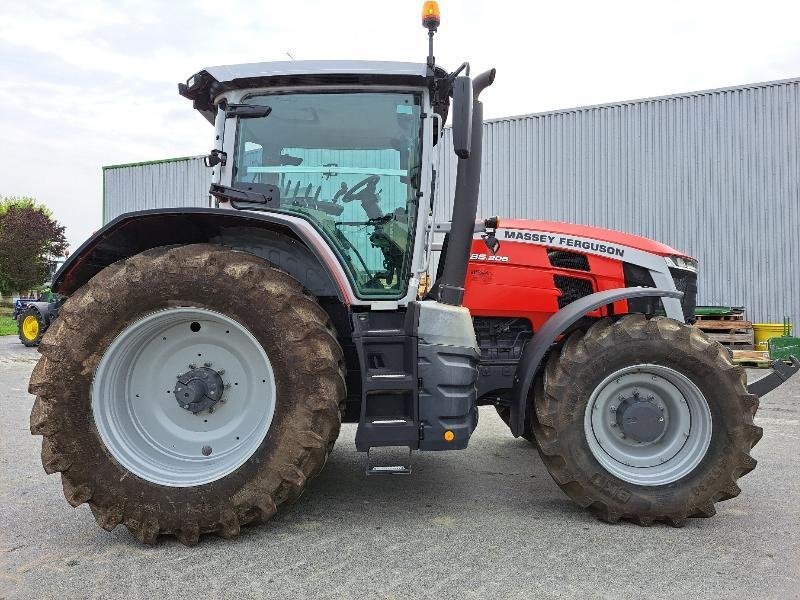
534,282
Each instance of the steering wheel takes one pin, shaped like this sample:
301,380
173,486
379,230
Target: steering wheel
368,183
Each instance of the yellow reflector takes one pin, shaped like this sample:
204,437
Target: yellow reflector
449,436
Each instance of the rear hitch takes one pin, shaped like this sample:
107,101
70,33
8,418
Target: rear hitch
781,373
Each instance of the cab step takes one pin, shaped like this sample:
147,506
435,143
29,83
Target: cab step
389,460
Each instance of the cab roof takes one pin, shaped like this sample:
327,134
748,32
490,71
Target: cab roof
227,73
204,86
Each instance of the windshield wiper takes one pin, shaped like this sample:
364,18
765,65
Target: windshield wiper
270,195
376,221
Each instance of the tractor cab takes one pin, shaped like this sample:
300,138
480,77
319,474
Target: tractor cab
344,145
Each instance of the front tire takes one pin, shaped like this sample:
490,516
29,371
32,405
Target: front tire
645,420
108,399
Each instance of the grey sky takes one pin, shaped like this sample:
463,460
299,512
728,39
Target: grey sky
89,83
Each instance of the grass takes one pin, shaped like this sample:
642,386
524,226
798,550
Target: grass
8,326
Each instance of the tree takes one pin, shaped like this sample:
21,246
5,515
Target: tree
29,239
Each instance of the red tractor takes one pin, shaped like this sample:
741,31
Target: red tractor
226,345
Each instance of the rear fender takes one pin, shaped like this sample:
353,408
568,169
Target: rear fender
540,343
289,242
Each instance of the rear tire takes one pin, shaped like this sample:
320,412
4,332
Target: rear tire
290,326
660,479
30,327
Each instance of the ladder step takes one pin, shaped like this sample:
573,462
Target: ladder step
389,460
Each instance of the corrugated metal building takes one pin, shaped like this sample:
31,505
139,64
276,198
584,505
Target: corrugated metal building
713,173
155,184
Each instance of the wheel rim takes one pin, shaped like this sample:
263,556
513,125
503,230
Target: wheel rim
30,327
150,367
648,424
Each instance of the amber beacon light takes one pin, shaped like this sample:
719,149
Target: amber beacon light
430,15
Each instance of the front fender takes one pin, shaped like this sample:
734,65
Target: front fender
543,339
290,242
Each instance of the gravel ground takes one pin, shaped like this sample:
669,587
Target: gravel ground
487,522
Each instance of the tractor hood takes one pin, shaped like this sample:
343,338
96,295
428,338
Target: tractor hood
204,86
598,233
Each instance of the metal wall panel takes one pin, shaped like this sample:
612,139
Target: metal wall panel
159,184
715,174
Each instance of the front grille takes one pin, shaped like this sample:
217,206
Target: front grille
572,288
565,259
686,282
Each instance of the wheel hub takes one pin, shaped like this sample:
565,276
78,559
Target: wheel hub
199,389
648,424
30,327
641,418
176,423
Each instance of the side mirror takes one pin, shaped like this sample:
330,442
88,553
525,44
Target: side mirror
462,116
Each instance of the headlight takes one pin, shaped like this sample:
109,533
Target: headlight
680,262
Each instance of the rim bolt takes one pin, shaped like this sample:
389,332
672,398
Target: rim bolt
227,385
613,409
207,364
660,419
661,408
192,366
206,450
210,410
221,372
653,378
613,424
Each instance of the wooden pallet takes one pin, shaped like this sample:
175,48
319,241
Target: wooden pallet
751,358
727,339
720,325
731,329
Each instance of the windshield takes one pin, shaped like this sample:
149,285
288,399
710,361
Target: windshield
348,162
